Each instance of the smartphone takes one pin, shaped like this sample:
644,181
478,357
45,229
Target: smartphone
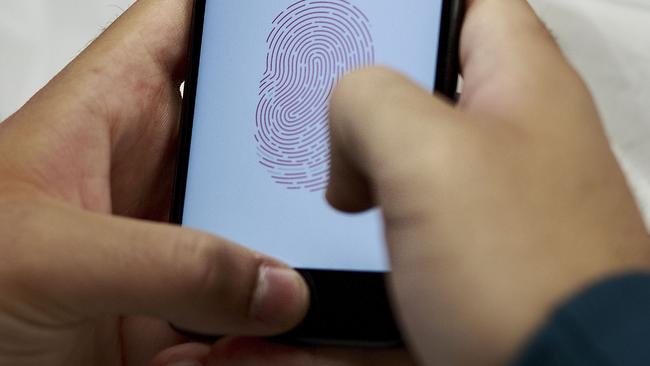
254,145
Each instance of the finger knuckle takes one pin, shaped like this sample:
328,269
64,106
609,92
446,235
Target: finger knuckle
202,251
22,226
215,270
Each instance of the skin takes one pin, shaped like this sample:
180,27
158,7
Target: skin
84,280
496,210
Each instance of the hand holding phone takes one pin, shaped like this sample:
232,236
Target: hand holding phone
495,211
255,150
82,281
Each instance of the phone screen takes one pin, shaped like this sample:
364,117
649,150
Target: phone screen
259,154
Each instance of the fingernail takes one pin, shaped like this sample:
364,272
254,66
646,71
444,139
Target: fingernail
185,363
281,297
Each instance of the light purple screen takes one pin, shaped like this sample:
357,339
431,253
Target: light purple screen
259,159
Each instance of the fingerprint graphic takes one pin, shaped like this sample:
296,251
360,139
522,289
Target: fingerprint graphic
312,44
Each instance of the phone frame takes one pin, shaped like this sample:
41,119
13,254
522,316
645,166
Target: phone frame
339,312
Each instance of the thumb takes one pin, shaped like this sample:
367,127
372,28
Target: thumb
512,66
384,128
87,265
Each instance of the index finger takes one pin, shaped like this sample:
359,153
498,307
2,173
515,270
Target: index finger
250,352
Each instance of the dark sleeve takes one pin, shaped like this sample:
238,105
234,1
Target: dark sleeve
607,325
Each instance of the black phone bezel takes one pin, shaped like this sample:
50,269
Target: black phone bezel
348,308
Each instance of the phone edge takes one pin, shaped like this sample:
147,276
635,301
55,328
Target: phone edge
446,83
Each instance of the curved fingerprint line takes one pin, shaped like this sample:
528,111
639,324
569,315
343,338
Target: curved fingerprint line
311,44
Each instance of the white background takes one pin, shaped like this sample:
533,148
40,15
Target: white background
607,40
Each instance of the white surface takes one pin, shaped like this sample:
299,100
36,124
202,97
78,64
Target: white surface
39,37
607,40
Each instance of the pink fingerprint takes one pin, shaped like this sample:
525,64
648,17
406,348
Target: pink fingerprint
312,44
